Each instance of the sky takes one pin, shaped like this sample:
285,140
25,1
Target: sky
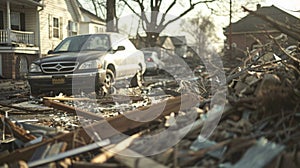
128,20
293,5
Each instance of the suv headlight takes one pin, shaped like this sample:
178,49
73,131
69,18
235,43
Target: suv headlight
34,68
93,64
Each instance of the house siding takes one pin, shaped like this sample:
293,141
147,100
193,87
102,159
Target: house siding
91,28
83,27
245,41
61,9
31,20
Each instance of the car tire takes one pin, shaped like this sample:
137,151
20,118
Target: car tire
34,92
137,80
106,87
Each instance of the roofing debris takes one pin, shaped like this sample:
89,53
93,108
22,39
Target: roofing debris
259,126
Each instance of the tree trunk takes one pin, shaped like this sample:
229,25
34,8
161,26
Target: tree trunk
110,16
152,39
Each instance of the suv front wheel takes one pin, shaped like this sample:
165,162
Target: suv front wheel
105,88
137,80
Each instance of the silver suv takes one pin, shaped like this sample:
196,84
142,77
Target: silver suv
87,63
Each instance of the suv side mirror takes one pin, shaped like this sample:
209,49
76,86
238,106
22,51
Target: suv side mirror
115,49
120,48
50,52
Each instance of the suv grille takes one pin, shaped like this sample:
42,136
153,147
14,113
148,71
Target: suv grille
59,67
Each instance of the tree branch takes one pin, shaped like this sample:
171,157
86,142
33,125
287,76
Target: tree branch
192,5
171,6
95,7
126,3
101,4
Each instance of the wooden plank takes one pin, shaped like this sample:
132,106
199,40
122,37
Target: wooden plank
69,153
70,109
112,150
40,152
56,148
134,162
94,165
19,132
68,98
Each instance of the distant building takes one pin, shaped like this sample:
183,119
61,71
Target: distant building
166,45
180,44
249,28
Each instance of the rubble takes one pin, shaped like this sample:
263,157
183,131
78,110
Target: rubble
258,128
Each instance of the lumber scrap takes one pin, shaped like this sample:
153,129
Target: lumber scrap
260,154
113,150
125,157
70,109
63,98
82,164
121,124
25,109
56,157
125,122
110,99
17,131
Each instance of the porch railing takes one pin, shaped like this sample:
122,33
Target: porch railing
4,37
16,37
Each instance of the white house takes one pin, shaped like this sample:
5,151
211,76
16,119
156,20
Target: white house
62,18
30,28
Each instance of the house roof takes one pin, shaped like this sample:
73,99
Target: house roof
161,39
178,40
29,2
251,23
90,14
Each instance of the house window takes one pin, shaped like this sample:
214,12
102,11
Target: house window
96,29
15,20
1,20
55,27
72,28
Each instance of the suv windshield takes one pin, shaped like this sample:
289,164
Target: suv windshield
99,42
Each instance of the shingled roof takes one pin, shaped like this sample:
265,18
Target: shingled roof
251,23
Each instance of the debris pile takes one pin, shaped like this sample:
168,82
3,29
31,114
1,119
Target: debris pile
162,127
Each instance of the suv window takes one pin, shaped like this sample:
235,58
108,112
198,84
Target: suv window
122,41
98,42
82,43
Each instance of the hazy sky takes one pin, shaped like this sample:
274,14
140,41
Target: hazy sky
285,4
128,20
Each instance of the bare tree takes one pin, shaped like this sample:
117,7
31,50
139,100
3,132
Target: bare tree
233,7
157,20
202,29
108,10
111,17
